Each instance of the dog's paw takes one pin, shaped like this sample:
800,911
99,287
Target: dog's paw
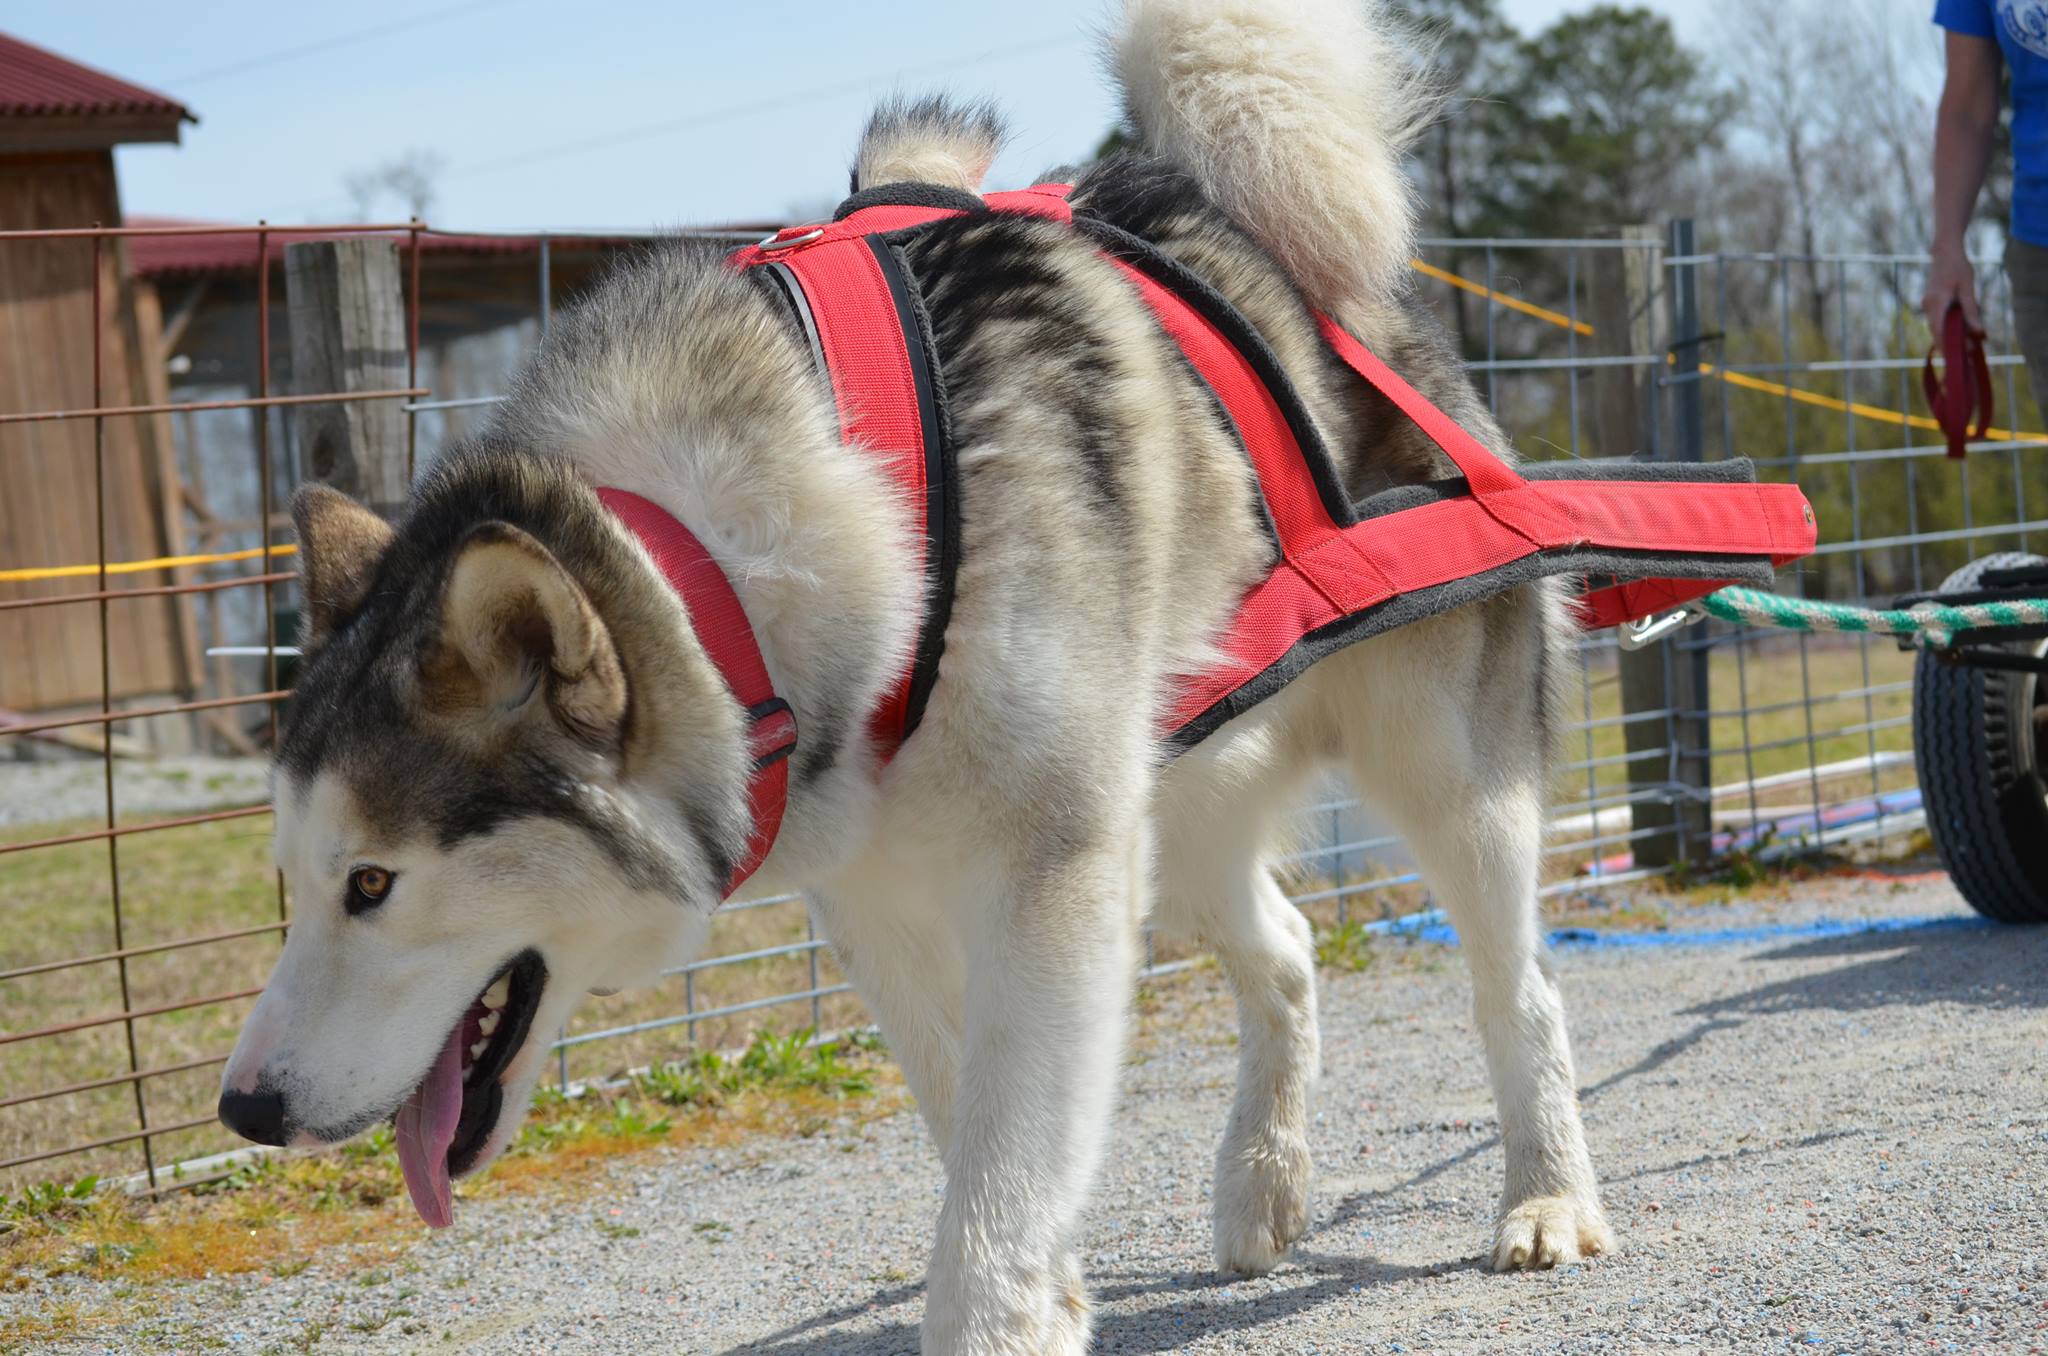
1045,1313
1071,1327
1549,1231
1261,1204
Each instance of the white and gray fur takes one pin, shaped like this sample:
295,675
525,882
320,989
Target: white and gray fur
986,889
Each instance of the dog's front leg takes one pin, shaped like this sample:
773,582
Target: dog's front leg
1050,968
899,942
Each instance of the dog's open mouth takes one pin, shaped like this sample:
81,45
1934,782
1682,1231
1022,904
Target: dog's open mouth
443,1126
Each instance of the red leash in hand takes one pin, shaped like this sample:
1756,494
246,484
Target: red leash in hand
1967,390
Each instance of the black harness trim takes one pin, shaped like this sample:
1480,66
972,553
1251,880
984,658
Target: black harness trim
1215,308
909,193
941,486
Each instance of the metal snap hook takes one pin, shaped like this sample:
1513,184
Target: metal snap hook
1646,631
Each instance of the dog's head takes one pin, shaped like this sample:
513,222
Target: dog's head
466,820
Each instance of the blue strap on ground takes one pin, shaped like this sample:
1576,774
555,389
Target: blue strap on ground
1430,925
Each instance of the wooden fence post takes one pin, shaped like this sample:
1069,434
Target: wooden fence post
347,309
1657,683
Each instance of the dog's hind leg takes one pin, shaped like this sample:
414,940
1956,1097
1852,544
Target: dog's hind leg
1214,821
1445,733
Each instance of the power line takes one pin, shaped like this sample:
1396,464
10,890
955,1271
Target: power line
338,40
818,94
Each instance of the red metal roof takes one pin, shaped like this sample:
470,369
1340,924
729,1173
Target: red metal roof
232,248
39,83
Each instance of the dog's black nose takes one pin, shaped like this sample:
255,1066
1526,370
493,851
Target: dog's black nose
257,1115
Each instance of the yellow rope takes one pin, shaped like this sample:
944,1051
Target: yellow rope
1738,379
1750,383
1500,298
138,566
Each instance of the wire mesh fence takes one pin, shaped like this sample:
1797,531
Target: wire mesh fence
132,938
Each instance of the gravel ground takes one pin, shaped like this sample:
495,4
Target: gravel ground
75,788
1809,1143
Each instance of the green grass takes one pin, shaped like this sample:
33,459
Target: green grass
771,1062
1344,945
47,1200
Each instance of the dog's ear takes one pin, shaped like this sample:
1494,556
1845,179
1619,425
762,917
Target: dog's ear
515,625
340,543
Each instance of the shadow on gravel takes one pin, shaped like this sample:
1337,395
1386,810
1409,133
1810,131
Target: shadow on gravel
894,1340
1993,967
1312,1279
1976,967
794,1339
1732,1156
1355,1206
1657,1057
1980,967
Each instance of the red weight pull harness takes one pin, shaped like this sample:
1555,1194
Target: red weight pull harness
1345,571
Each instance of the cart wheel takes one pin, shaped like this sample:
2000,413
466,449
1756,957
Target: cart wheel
1977,740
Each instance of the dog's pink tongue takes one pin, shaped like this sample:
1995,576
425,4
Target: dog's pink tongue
426,1127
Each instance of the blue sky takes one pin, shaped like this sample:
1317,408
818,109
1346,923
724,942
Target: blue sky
547,114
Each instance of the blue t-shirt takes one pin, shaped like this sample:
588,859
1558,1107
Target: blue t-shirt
2021,30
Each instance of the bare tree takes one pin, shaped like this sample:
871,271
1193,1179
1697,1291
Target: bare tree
1780,94
1881,94
410,178
1837,128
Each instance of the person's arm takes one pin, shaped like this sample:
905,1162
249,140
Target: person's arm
1964,129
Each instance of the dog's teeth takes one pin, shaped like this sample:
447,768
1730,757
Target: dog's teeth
488,1023
476,1051
495,996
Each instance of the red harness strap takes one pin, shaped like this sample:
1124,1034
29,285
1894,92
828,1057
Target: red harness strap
866,346
1330,570
1967,390
721,624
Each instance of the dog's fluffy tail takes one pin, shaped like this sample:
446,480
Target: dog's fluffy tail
1293,115
930,140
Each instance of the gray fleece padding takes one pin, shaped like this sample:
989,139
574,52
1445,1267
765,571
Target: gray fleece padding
1598,565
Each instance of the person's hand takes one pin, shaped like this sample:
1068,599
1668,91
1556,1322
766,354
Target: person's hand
1951,279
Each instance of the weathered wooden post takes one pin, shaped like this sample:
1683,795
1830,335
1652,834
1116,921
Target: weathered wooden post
347,307
1658,684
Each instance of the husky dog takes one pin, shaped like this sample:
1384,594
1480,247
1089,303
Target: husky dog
511,773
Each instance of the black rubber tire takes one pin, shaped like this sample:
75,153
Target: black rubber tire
1976,746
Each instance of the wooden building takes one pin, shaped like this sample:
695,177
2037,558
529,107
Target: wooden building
180,324
59,124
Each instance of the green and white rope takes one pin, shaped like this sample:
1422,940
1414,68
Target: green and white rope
1931,625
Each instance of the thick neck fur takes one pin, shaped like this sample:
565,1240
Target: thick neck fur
680,381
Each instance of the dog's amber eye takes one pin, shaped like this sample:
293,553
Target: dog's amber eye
367,886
